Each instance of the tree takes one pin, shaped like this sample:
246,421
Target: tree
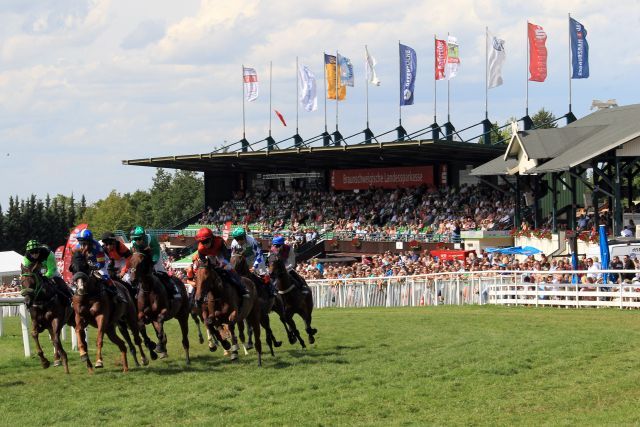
498,135
544,119
112,213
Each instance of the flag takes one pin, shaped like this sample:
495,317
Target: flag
537,53
280,117
496,60
408,70
346,70
68,252
330,69
370,66
579,50
250,78
308,88
453,58
441,58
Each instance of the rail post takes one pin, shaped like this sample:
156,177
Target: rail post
24,320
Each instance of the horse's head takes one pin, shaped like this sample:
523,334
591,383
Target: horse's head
139,267
239,263
206,280
31,284
275,263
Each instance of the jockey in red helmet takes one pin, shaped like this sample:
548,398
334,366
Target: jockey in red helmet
214,247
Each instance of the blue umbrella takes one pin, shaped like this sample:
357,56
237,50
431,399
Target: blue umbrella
604,252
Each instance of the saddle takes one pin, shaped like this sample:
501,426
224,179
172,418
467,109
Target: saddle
169,285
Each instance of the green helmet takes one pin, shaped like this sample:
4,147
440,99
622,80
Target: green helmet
32,244
138,231
239,233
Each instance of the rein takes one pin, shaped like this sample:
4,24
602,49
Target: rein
38,288
286,291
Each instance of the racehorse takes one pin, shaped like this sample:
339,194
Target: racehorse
154,305
293,300
48,310
220,305
93,306
239,263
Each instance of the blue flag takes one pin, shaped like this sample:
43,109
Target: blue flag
579,50
408,69
346,70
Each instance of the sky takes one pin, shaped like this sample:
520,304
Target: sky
85,84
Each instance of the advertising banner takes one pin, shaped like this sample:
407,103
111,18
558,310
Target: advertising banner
351,179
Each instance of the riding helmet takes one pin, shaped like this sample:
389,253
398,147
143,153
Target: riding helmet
138,231
204,234
239,233
278,240
31,245
84,235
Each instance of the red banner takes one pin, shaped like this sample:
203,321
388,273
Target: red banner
351,179
68,251
441,58
226,230
537,53
450,254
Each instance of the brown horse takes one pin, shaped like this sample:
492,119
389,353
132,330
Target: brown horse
48,310
93,306
292,299
155,306
239,263
220,304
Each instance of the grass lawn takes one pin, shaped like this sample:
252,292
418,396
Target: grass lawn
431,365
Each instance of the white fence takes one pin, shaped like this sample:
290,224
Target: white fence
533,288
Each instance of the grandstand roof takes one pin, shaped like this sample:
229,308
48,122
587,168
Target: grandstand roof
402,153
560,149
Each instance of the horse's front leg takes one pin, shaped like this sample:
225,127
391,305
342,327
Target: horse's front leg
161,348
54,330
100,325
151,346
82,342
36,337
234,341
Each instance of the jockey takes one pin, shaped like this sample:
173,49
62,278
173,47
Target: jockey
189,281
118,253
214,247
147,244
95,255
247,246
250,248
38,253
288,255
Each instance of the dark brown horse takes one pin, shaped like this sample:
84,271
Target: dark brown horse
155,306
220,304
94,306
48,310
292,299
239,263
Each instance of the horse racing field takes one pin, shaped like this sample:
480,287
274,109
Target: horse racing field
437,365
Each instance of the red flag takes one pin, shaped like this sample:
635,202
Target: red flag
537,53
280,117
68,252
441,58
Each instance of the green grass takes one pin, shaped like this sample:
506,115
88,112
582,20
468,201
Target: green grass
438,365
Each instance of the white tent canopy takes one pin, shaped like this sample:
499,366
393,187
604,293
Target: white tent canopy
10,262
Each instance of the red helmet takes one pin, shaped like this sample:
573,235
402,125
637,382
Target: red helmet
203,234
190,273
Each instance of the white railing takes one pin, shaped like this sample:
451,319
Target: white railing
533,288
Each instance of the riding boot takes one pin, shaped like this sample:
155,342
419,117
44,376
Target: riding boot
298,282
111,290
62,288
236,281
169,286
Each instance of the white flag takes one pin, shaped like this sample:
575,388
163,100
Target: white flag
307,85
496,60
453,58
370,65
250,78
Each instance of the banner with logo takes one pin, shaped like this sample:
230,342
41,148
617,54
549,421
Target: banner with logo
497,57
579,50
250,78
330,71
453,57
537,53
226,230
362,179
408,70
441,59
68,252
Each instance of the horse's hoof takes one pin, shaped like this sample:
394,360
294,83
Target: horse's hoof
163,355
248,346
225,344
311,339
292,340
277,344
125,370
213,348
45,364
57,363
84,357
234,358
153,355
188,362
227,352
201,339
145,362
99,364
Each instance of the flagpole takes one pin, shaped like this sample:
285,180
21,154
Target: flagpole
244,136
435,70
400,87
297,92
366,83
325,90
569,14
337,91
486,72
448,83
526,106
270,72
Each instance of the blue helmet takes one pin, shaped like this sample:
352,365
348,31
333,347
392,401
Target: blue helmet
84,235
278,240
